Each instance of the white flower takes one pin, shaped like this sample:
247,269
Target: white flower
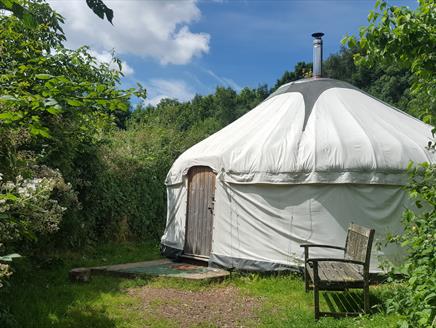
21,190
31,186
9,185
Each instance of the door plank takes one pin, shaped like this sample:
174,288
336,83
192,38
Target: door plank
199,220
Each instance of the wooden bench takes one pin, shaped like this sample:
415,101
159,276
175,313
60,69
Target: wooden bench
339,274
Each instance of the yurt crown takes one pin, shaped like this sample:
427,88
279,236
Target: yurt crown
317,54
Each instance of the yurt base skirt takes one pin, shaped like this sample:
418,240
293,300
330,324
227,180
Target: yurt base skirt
170,252
261,227
226,262
249,265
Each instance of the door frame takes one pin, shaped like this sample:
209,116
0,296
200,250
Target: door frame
196,256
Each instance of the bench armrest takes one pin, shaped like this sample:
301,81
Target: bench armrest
335,260
323,246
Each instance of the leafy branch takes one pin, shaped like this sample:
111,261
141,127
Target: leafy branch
20,11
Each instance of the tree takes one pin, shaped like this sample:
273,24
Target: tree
17,8
58,96
100,9
389,83
399,36
301,70
55,106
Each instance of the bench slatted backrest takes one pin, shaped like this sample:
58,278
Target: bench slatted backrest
359,243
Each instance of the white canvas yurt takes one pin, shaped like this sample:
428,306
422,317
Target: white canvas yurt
313,157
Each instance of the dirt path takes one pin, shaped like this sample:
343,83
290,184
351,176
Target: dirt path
220,307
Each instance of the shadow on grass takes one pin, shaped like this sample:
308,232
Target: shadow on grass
351,301
44,297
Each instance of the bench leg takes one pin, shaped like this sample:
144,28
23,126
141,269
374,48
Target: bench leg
306,274
316,300
306,279
366,297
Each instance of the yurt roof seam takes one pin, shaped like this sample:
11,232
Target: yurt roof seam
255,149
374,155
311,90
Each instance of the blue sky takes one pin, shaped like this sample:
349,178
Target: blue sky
180,48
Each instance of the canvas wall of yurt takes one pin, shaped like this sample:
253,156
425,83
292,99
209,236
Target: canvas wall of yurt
313,157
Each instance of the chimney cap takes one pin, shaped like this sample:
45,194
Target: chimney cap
318,35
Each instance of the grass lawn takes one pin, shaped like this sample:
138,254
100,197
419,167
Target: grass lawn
43,297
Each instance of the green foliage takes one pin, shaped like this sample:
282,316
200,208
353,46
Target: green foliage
416,299
407,39
42,82
60,101
100,9
55,106
387,82
41,296
30,208
127,199
301,70
27,206
399,36
128,195
18,9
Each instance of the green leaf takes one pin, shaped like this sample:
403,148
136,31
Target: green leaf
74,102
351,42
428,118
43,132
403,324
8,196
43,76
54,110
100,88
11,116
62,79
50,102
8,98
123,106
430,296
412,280
19,11
100,9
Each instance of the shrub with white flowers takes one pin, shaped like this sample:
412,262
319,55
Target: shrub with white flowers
30,208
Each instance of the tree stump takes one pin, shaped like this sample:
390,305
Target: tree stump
80,275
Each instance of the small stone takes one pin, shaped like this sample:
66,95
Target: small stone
80,275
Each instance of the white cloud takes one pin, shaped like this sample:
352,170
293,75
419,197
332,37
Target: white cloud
126,69
224,80
156,29
106,57
159,89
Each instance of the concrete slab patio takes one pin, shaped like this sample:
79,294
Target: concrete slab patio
161,268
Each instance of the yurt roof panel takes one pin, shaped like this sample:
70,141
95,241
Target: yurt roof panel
313,131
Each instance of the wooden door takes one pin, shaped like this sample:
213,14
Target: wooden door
199,218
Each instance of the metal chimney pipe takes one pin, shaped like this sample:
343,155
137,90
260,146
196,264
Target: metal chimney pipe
317,54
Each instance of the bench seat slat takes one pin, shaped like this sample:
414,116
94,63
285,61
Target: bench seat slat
336,272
